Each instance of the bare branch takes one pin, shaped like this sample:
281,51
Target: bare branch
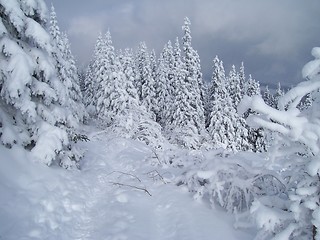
154,173
156,156
128,174
131,186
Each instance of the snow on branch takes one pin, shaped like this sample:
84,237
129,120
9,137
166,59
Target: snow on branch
290,123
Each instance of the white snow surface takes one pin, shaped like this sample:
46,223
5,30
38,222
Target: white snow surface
102,201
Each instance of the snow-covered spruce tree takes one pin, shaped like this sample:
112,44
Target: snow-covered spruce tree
144,81
193,79
180,125
298,153
226,128
242,79
33,114
89,85
94,69
278,94
233,87
153,64
256,136
75,93
110,82
67,70
252,87
128,66
164,84
269,98
218,77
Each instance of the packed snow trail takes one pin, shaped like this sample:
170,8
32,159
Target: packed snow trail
117,195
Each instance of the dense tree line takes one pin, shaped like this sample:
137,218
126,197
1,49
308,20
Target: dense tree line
171,92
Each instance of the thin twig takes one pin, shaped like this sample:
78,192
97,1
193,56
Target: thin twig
156,175
156,155
128,185
128,174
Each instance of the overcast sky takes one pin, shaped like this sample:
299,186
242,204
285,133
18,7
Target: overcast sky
272,37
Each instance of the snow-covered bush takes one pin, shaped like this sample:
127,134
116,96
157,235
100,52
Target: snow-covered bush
298,153
232,182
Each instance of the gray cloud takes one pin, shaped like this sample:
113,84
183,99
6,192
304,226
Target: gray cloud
273,38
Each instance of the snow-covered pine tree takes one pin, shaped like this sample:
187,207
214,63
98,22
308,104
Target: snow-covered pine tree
33,113
144,81
256,136
67,70
109,77
226,128
128,66
164,78
234,87
153,64
242,79
91,83
278,94
193,79
131,119
218,77
269,98
180,127
252,87
75,93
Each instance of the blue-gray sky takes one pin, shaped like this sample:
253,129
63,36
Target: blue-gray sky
272,37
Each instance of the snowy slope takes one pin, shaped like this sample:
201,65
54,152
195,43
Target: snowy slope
105,200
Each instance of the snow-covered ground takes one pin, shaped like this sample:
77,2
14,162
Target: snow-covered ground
119,194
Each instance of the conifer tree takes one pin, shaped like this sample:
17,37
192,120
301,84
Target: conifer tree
180,127
242,79
193,79
164,81
226,128
67,70
277,95
252,87
33,111
234,87
108,74
218,77
269,98
256,136
144,81
91,83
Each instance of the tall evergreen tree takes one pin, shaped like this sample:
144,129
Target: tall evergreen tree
278,94
67,70
193,79
257,137
33,112
91,83
234,87
252,87
218,78
107,72
144,81
269,98
164,79
225,126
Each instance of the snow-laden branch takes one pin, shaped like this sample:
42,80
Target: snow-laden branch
289,121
